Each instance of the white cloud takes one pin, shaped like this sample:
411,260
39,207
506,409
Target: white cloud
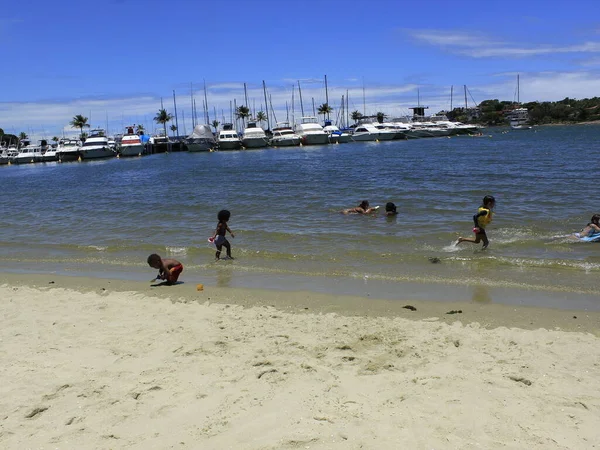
477,45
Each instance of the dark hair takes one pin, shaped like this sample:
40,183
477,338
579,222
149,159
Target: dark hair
364,204
595,218
488,199
223,215
389,206
153,259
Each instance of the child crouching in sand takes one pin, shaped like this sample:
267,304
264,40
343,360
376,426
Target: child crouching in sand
168,269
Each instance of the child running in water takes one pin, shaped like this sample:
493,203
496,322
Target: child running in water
168,269
219,238
481,219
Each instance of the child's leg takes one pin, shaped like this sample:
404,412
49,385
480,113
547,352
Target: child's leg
485,240
475,240
218,253
228,248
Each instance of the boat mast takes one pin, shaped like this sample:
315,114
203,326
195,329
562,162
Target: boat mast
518,91
326,97
206,104
192,103
272,110
183,120
451,96
245,95
293,106
466,106
301,104
175,107
343,113
267,105
313,103
364,103
347,110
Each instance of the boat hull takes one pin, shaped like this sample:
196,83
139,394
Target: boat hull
286,142
96,153
132,150
197,147
315,139
230,145
257,142
362,137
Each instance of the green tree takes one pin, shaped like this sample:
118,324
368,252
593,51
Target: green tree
173,129
242,112
140,129
163,117
381,117
79,121
215,124
83,137
324,109
1,132
55,139
356,116
261,117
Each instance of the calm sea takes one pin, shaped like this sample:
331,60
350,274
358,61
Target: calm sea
103,218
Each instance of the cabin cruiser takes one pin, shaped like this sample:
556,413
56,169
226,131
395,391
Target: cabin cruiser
160,143
228,138
28,154
284,136
311,132
254,136
68,150
519,119
131,143
335,135
201,139
365,132
50,155
96,146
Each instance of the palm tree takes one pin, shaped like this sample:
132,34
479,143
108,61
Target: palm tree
22,135
163,117
261,117
140,129
381,117
55,139
324,109
242,112
80,122
215,124
356,116
173,129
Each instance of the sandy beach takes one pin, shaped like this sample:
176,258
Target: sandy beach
104,364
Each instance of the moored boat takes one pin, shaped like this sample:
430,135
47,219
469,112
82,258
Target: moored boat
335,135
201,139
131,143
254,136
284,136
96,146
311,132
68,150
228,138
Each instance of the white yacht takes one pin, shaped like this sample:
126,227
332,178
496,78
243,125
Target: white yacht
28,154
254,136
50,154
96,146
335,135
201,139
68,150
311,132
284,136
228,138
365,132
131,144
519,119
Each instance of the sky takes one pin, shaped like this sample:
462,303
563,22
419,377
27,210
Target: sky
114,61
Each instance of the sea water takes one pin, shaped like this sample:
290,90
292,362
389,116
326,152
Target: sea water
103,218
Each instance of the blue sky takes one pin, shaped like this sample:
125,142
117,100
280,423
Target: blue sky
116,59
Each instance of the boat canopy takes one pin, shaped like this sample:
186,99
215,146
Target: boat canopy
201,132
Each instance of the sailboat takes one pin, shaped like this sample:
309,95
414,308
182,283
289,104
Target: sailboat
519,117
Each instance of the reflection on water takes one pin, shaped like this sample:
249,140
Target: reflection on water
481,295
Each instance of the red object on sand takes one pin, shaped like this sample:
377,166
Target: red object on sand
211,240
475,230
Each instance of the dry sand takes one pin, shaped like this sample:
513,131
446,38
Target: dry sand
89,365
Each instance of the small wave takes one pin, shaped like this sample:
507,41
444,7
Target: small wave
179,251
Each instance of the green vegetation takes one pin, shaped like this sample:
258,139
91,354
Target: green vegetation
80,122
173,129
566,111
324,109
215,124
356,116
242,112
261,117
163,117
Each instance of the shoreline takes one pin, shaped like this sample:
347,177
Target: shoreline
96,363
486,315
